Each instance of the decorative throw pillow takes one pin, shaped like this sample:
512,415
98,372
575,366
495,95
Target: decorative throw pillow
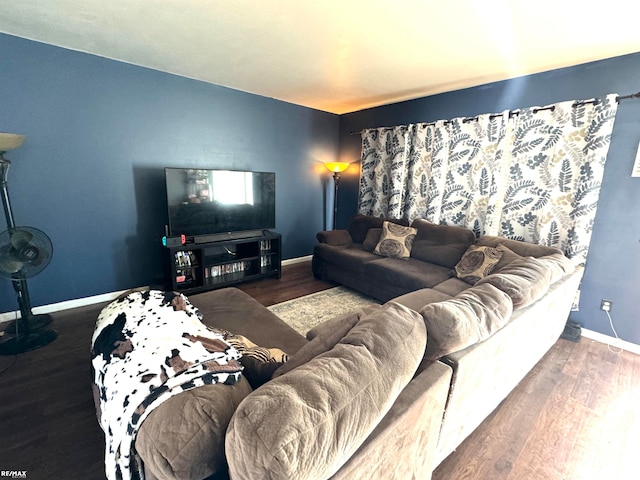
477,262
395,240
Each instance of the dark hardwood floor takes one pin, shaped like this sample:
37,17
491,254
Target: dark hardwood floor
573,417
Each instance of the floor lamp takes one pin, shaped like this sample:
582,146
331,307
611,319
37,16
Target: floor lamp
337,168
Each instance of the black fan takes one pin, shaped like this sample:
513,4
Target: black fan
24,252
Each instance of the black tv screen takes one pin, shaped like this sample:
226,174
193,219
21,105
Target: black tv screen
207,202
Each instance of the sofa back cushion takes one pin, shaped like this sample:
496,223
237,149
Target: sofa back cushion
440,244
524,249
507,257
308,422
468,318
524,280
371,239
360,225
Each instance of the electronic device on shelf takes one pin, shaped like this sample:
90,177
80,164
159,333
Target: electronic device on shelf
207,205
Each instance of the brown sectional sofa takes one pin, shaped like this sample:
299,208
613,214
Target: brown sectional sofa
388,391
490,332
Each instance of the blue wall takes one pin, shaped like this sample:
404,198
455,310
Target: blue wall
613,264
99,134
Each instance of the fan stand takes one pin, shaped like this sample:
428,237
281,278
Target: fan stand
22,337
35,322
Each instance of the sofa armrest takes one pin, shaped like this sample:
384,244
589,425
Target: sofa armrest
334,237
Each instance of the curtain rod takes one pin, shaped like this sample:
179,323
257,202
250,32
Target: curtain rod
511,112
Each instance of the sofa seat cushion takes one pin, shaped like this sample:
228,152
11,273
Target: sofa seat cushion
407,273
440,244
419,298
524,280
452,287
184,437
308,422
353,257
468,318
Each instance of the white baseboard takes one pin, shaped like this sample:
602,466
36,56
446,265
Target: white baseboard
291,261
612,341
57,307
105,297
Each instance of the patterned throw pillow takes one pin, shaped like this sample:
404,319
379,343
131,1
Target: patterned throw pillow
477,262
395,241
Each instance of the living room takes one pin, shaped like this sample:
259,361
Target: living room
100,133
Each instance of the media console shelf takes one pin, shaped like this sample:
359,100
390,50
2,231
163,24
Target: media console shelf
198,267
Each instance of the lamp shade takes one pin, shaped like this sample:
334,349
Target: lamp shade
337,166
9,141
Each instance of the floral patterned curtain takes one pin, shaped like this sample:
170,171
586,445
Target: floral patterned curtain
382,174
531,175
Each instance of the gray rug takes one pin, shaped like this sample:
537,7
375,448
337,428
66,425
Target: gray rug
304,313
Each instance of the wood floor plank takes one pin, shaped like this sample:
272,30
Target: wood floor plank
542,452
573,434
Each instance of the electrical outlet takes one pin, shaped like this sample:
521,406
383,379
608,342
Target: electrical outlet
605,305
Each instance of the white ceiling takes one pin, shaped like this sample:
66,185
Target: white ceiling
335,55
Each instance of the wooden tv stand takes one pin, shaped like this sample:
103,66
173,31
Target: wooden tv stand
198,267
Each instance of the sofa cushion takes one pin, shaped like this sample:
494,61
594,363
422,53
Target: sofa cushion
334,237
465,320
371,239
359,225
524,249
190,445
309,421
558,266
524,280
452,287
508,256
352,257
324,337
344,323
440,244
395,241
407,273
477,262
419,298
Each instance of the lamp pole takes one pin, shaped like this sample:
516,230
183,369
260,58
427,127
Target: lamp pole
4,169
336,168
336,181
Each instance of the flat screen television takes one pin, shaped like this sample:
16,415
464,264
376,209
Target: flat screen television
205,202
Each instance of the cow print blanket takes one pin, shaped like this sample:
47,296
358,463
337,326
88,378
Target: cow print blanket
147,347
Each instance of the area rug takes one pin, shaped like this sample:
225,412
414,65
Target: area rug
304,313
